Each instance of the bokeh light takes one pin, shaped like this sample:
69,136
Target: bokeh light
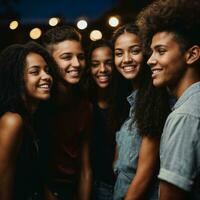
35,33
95,35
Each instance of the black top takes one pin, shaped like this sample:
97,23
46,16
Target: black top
102,147
27,182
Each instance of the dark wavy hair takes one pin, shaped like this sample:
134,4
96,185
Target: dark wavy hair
180,17
151,106
12,65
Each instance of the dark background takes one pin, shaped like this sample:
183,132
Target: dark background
36,13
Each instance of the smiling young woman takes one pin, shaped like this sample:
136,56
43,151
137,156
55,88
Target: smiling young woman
137,147
25,81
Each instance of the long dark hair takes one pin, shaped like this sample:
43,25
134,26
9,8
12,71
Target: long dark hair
151,106
12,64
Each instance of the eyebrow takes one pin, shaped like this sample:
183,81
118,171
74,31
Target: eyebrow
66,53
158,46
33,66
135,45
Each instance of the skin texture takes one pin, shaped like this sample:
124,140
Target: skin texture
145,170
37,79
70,58
101,66
169,65
128,55
128,59
10,139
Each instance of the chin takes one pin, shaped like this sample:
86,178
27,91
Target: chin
72,81
158,83
102,86
46,97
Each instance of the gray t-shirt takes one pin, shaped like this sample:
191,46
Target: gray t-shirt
180,143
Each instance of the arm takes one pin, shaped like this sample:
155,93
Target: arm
171,192
86,174
148,157
179,157
115,156
10,140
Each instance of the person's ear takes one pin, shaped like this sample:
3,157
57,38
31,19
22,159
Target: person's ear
193,54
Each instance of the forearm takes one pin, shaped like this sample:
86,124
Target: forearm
147,161
6,184
85,186
138,188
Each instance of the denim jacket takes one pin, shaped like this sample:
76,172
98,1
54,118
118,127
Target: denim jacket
128,145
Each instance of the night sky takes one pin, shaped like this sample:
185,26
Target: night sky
36,13
40,10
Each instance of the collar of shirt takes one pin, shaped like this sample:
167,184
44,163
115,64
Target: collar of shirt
194,88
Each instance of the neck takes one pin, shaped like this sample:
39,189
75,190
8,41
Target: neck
103,97
190,77
135,84
32,106
66,94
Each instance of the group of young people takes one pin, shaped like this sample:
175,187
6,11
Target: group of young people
119,120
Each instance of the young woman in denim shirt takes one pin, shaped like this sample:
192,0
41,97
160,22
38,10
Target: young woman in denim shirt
137,143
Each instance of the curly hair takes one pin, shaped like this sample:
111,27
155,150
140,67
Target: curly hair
60,34
151,106
12,85
176,16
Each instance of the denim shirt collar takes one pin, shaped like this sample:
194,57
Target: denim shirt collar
189,92
131,99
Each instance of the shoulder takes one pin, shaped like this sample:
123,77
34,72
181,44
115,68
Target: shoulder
191,106
11,119
11,123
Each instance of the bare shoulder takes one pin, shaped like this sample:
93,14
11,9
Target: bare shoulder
11,119
10,124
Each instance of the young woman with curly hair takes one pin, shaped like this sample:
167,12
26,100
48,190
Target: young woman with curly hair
137,140
25,81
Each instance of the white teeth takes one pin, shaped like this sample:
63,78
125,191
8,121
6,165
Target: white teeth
44,86
73,72
156,71
129,68
103,78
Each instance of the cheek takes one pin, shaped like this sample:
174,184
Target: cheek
93,72
82,63
110,70
29,85
117,62
138,58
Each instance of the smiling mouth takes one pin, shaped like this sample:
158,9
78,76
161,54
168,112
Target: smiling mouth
103,78
74,73
129,68
45,86
155,72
